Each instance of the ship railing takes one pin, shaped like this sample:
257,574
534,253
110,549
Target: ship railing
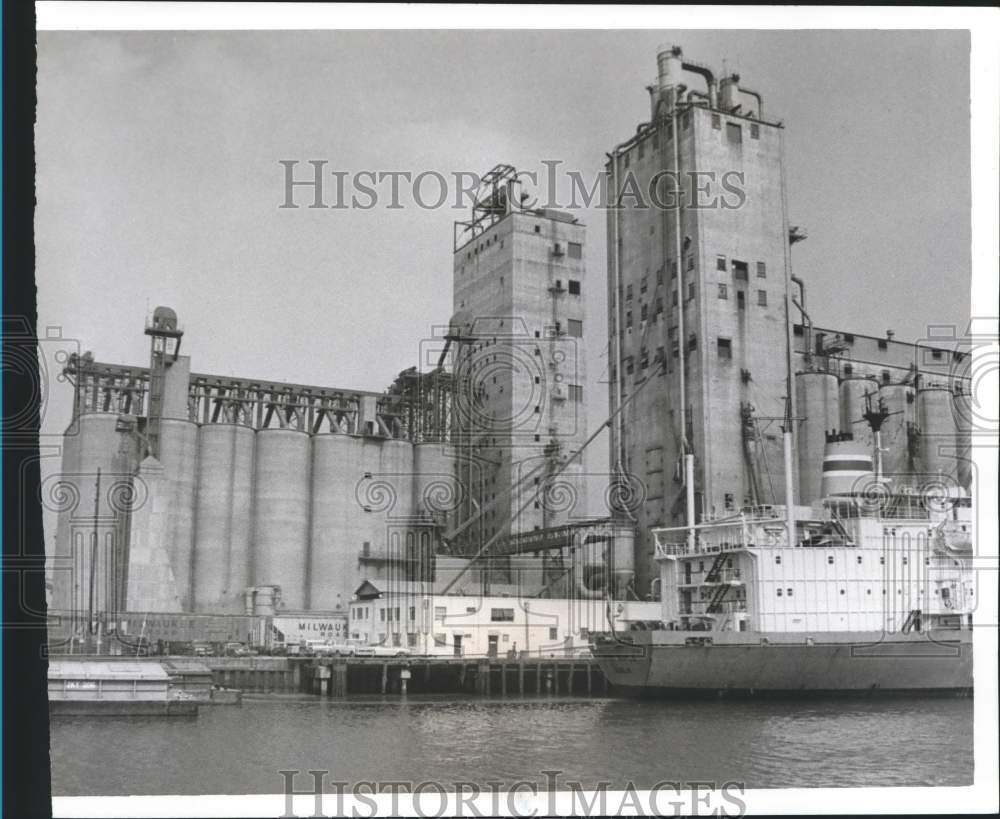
724,576
681,548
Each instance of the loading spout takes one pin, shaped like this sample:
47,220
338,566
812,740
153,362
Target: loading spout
706,72
756,96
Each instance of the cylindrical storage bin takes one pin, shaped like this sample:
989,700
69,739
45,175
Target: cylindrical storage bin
281,513
852,407
93,517
179,456
222,529
897,466
819,405
938,433
335,544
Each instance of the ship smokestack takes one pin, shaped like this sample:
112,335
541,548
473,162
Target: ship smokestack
847,466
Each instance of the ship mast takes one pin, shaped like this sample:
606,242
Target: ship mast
786,439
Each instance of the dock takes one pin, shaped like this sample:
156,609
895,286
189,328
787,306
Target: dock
339,676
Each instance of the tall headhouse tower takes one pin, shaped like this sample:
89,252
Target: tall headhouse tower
520,371
698,285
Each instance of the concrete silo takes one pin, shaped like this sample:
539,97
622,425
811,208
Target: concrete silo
94,494
852,407
938,432
223,518
281,513
179,457
819,405
334,544
897,463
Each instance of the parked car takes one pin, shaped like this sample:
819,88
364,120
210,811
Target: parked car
202,650
381,651
238,650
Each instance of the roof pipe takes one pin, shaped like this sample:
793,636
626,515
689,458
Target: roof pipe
706,72
756,96
801,304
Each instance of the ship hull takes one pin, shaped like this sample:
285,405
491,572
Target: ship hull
685,664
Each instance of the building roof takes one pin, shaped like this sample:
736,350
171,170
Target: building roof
106,670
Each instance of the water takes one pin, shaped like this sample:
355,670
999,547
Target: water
765,744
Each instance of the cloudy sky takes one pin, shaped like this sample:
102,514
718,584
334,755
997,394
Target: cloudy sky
159,180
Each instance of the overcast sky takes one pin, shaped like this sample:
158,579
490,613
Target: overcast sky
159,180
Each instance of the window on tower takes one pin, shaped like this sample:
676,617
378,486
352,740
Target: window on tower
574,327
762,298
740,270
741,301
716,122
723,291
574,287
574,250
754,130
761,270
734,133
724,348
575,392
720,263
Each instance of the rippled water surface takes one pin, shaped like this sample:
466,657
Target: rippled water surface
240,749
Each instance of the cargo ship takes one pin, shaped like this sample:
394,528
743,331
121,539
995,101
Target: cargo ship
868,591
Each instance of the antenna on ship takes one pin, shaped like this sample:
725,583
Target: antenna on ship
875,415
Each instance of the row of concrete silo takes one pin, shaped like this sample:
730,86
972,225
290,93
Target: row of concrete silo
275,506
925,435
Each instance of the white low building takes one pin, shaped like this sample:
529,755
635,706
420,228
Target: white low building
410,615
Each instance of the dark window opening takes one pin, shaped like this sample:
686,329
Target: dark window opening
574,287
734,133
725,348
740,270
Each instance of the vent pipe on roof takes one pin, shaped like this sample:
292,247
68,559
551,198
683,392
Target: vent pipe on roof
756,96
706,72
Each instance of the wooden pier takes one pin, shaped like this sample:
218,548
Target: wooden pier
339,676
